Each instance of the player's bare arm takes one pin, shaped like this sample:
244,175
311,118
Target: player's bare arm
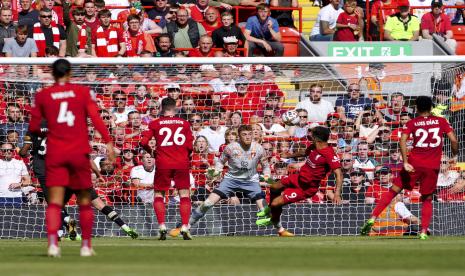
338,189
454,146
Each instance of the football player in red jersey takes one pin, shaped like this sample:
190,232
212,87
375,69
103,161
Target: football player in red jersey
65,107
174,142
422,164
321,159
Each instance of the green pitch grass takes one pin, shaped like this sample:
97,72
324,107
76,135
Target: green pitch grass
242,255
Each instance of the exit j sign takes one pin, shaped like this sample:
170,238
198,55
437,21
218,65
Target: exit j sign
369,49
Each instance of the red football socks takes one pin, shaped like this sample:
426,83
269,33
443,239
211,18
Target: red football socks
385,200
53,220
86,218
426,214
185,209
159,208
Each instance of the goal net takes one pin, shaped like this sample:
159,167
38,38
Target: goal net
364,102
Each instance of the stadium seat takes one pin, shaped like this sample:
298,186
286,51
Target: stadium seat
290,38
459,35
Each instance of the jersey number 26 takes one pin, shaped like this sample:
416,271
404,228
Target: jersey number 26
178,138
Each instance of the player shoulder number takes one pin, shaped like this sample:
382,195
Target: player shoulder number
178,138
65,115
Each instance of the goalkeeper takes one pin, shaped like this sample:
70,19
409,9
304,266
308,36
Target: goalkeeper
242,158
37,146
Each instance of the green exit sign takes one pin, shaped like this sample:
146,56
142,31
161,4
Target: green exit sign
369,49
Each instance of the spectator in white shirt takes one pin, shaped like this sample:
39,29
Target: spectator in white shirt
225,82
13,177
142,177
214,132
325,25
317,107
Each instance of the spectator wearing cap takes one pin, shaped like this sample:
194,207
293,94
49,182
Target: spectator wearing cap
185,31
214,132
363,161
120,107
395,107
212,20
403,25
262,33
380,10
204,49
317,108
325,25
164,46
229,48
350,105
225,81
173,91
228,30
355,192
438,23
381,184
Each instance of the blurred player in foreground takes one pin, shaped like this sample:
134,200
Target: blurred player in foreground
38,148
321,159
422,164
174,142
242,158
66,107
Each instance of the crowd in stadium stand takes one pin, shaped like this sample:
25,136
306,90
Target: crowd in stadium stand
216,100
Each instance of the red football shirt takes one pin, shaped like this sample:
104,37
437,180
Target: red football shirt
428,135
346,34
66,107
318,164
174,140
376,191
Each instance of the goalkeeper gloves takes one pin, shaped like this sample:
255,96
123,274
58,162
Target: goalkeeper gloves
212,173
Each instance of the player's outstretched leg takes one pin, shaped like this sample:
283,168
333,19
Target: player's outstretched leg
264,218
426,215
160,211
112,215
185,212
385,200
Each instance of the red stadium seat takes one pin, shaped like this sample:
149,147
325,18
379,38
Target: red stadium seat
290,38
459,35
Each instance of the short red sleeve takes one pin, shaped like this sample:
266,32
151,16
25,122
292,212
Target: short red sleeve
408,128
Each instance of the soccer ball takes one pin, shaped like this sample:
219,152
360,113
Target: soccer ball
290,118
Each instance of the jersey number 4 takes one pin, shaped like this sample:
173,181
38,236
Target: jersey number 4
423,135
65,115
178,138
